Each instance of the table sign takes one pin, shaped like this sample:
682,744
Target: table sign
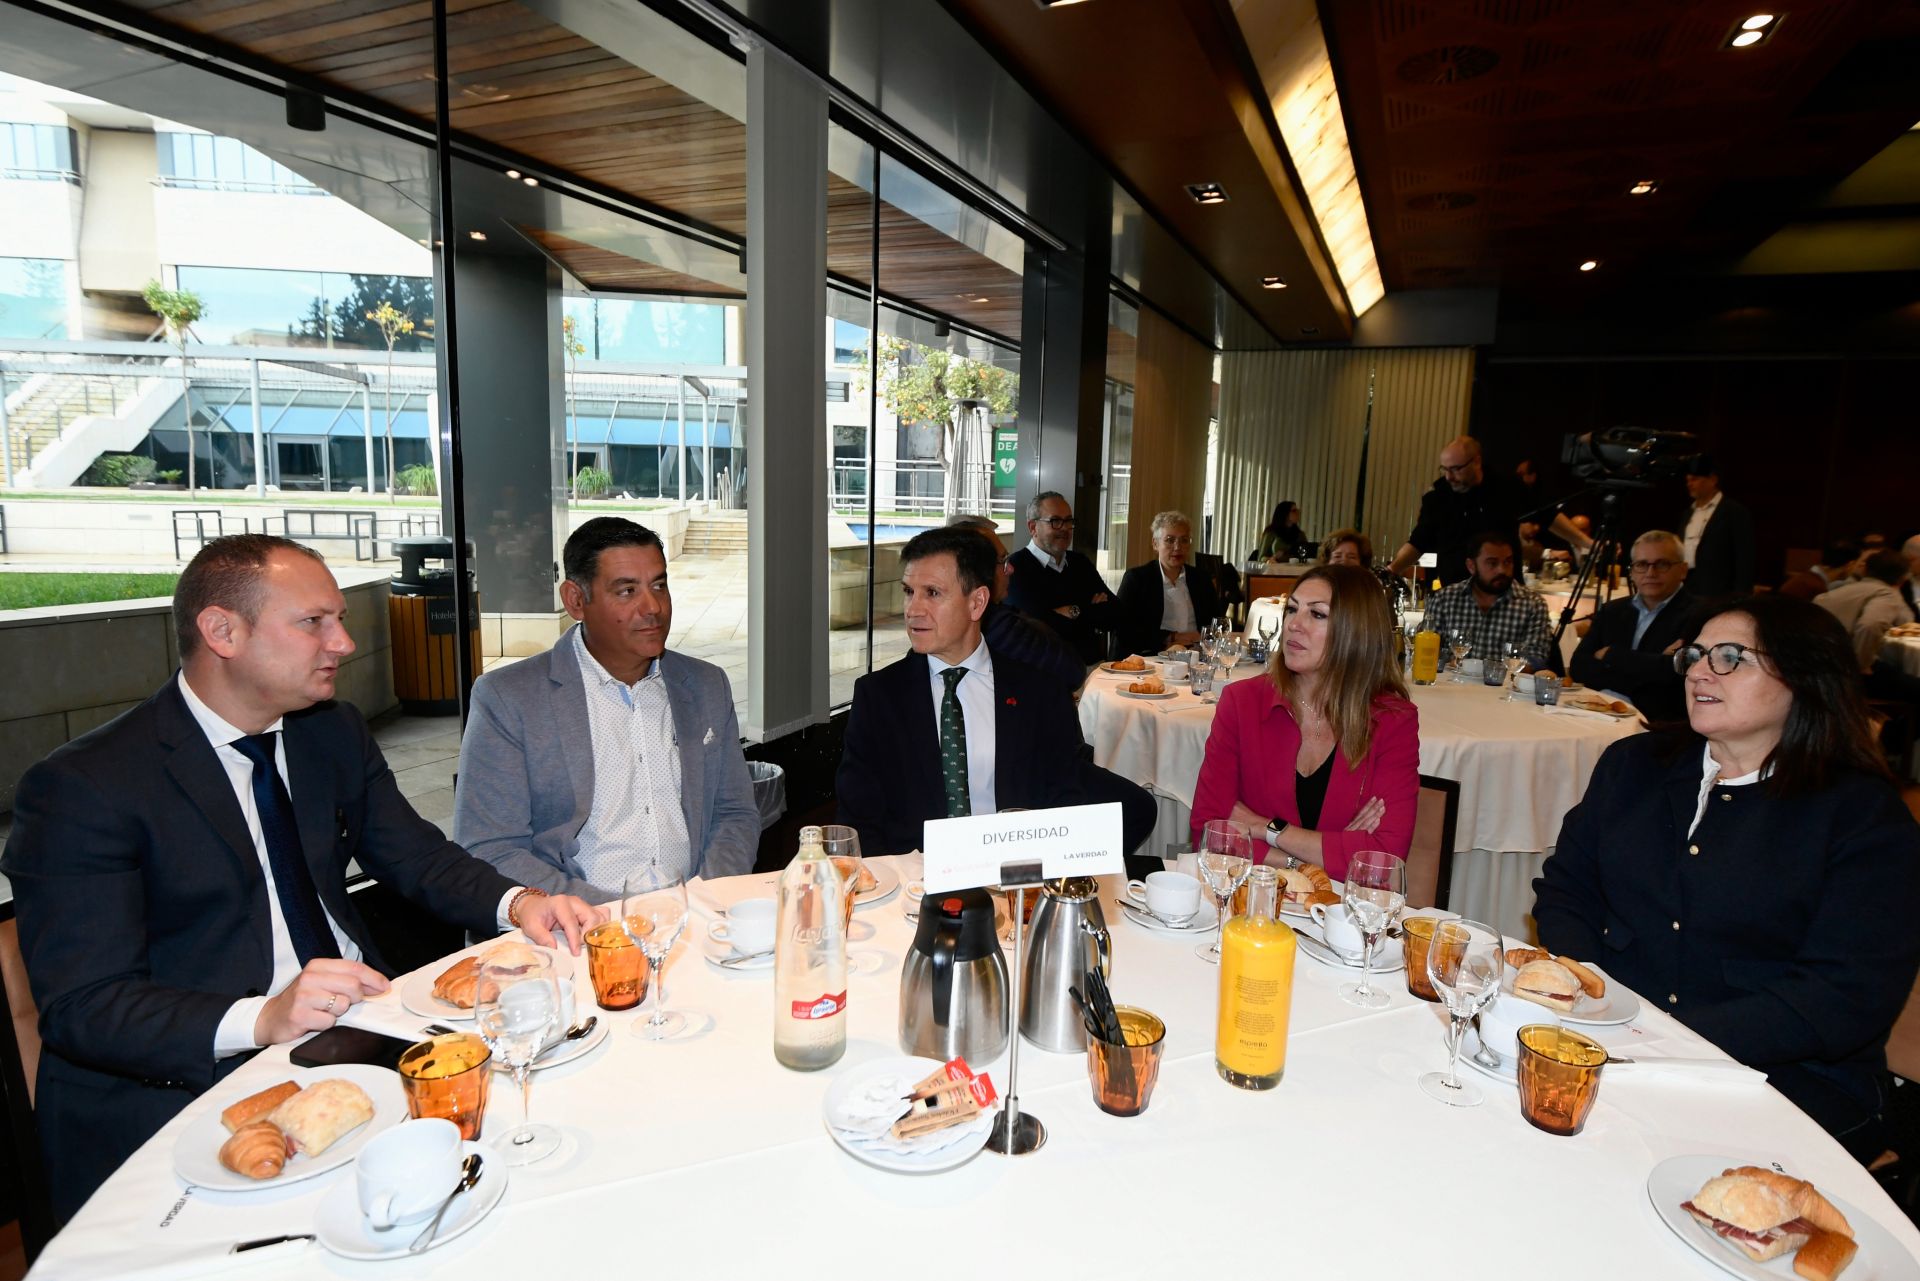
1072,840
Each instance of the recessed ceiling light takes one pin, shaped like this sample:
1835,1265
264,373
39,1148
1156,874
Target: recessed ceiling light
1590,264
1645,187
1757,22
531,182
1057,4
513,173
1745,38
476,235
1207,193
1272,282
1752,31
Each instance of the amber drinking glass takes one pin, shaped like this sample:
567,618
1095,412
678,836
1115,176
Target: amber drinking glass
617,966
1415,933
448,1077
1559,1077
1123,1076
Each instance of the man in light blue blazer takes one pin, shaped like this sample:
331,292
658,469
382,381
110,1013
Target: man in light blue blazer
607,754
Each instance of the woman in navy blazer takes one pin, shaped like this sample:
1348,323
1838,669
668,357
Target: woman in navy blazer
1330,725
1755,878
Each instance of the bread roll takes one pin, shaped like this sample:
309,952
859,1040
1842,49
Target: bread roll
1151,685
1750,1205
1131,663
257,1150
1546,983
1805,1199
320,1115
256,1106
511,956
1824,1256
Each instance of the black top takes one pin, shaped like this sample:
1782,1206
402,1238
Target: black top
1643,673
1723,563
1758,930
1037,591
1449,521
1310,792
1143,603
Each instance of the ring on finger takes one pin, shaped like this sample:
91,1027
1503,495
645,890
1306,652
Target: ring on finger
332,1001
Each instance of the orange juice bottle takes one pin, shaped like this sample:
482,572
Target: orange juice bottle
1426,656
1256,989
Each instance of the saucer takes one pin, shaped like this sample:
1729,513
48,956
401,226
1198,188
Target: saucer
340,1227
1509,1070
564,1051
1387,958
718,953
1202,922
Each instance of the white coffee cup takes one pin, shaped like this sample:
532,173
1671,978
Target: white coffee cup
749,926
1170,896
402,1176
1523,684
1473,668
1501,1021
1342,935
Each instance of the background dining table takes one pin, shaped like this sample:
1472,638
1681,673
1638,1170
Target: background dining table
1520,769
703,1157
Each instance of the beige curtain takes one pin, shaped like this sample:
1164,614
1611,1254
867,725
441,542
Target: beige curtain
1172,403
1292,424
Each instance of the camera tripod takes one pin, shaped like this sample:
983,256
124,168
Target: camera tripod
1606,549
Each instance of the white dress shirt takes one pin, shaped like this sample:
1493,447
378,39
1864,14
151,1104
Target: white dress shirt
977,710
1710,779
235,1033
1176,611
1697,525
636,820
1047,559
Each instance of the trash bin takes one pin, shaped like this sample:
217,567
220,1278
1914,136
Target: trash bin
420,610
769,791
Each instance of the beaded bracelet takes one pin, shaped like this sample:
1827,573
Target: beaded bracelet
513,904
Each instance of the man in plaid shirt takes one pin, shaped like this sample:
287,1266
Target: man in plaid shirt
1491,608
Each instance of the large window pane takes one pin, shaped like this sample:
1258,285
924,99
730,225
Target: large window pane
33,298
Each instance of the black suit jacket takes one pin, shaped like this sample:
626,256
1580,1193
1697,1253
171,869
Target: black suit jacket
889,779
1778,930
1643,673
143,910
1723,563
1037,592
1143,601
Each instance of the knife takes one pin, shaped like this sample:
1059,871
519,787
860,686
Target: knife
267,1241
1318,950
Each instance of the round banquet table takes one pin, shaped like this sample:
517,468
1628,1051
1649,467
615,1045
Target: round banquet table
704,1158
1903,652
1520,769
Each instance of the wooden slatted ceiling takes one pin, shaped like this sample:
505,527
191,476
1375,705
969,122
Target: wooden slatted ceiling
526,84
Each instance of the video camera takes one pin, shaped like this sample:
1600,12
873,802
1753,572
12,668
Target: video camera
1629,457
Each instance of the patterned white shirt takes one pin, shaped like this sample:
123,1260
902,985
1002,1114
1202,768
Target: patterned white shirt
636,820
1696,527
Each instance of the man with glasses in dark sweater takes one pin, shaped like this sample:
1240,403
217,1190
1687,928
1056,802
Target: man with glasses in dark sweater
1057,585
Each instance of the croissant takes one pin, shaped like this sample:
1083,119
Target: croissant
257,1150
458,984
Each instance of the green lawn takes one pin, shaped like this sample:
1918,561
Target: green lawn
35,591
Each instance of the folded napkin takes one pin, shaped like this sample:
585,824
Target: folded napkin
865,1115
1712,1073
1567,709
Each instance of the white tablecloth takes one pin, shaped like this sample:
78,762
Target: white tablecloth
1520,769
1903,652
705,1158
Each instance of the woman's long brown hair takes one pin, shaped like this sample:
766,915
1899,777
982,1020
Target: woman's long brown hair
1358,666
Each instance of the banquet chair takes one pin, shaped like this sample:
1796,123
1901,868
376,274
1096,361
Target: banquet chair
1430,856
19,1069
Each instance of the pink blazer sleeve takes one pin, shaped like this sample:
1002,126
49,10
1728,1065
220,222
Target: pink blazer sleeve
1392,774
1218,786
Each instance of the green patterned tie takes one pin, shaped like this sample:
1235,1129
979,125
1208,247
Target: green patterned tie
953,745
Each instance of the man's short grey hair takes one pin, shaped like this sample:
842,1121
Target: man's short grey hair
1663,536
967,521
1033,508
1164,520
1910,549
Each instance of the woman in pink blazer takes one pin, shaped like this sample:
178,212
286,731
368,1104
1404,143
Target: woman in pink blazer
1322,757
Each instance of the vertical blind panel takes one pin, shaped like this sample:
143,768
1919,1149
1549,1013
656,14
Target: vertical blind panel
1173,400
1291,424
1421,398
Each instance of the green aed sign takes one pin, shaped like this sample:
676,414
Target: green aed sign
1006,456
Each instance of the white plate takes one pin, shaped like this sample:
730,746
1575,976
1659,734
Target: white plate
196,1153
1618,1005
416,994
715,952
340,1227
886,881
1127,693
1202,922
1508,1072
910,1069
568,1051
1111,670
1677,1178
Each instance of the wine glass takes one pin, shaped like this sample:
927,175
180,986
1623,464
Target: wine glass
653,911
1515,664
1269,629
1226,857
1457,642
1207,643
1227,652
1376,890
516,1005
1464,962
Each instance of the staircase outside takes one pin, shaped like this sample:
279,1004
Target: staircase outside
42,409
716,534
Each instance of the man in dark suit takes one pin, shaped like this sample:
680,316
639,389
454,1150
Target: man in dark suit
1165,601
953,728
1057,585
1717,536
1630,647
1910,590
179,874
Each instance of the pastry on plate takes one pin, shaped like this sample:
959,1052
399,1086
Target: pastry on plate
1307,884
323,1113
257,1149
256,1106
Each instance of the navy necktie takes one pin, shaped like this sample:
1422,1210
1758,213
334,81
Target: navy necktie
299,902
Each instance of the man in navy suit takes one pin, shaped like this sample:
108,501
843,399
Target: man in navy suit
179,874
953,728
